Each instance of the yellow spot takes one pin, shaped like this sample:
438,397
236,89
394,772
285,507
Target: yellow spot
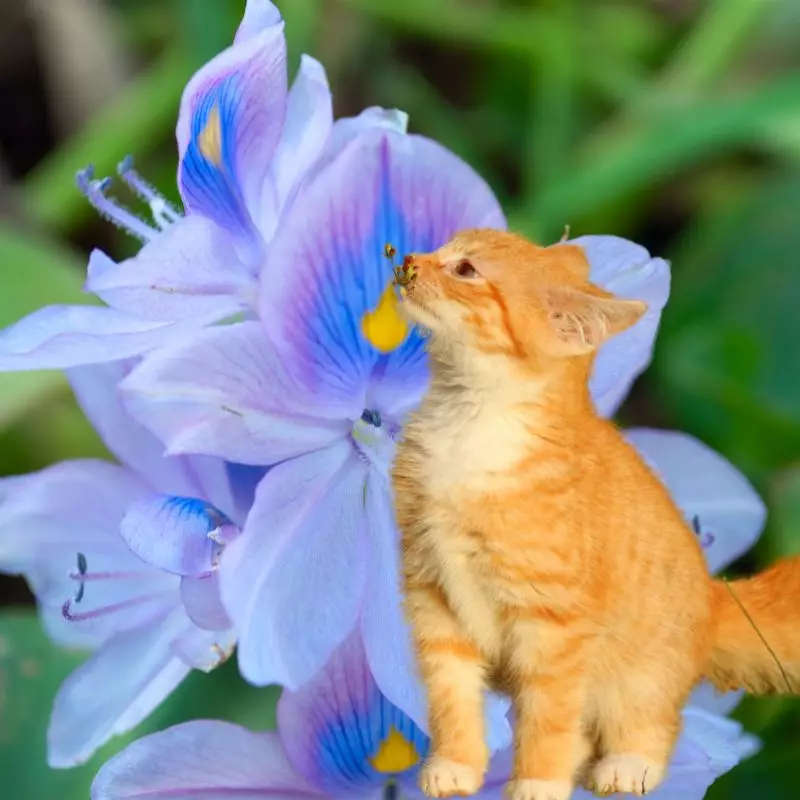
384,328
210,139
396,754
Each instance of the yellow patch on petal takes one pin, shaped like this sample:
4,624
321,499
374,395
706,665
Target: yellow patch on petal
384,328
210,139
396,754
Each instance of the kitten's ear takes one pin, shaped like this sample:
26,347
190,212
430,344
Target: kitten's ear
581,322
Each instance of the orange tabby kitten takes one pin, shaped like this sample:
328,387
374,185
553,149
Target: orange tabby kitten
541,556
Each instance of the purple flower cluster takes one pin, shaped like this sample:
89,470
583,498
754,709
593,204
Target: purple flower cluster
254,420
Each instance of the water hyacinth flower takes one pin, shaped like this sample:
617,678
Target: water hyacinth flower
148,627
338,737
245,143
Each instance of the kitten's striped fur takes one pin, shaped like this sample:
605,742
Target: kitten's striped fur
541,555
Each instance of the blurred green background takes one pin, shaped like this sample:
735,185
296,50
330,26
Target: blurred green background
675,123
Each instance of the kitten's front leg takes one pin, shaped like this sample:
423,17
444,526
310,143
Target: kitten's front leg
548,663
454,673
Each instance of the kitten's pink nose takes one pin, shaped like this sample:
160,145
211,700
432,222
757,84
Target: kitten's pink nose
424,262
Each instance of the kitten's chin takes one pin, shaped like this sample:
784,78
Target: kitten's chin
418,314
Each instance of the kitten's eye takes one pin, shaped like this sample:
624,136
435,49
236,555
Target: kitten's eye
465,270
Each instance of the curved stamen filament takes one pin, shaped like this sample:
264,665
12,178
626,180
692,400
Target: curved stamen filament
164,213
67,613
94,191
108,576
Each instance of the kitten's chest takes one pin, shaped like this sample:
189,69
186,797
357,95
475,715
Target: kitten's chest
467,444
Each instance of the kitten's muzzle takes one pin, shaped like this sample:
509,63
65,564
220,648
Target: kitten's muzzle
405,275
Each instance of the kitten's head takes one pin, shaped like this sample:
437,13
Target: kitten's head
496,292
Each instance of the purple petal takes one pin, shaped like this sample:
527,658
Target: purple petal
346,129
201,599
628,270
176,534
258,15
47,512
309,118
725,510
305,530
387,638
204,650
190,270
58,337
114,691
383,187
229,126
335,726
202,760
227,393
95,387
705,696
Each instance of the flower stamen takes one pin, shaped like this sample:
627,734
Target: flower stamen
164,213
67,613
94,191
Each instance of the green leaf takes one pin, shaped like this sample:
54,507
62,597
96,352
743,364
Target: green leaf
785,512
670,141
36,272
31,670
728,347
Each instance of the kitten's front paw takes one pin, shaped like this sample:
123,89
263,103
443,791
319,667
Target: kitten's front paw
628,772
441,777
530,789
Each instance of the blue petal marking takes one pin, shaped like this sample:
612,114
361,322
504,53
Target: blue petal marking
213,189
357,278
347,744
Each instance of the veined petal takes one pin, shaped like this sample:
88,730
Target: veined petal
387,638
58,337
189,270
202,760
724,509
230,122
114,690
293,582
227,393
309,118
383,187
627,270
202,601
181,535
341,732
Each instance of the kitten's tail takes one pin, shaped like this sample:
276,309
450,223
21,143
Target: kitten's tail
756,631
